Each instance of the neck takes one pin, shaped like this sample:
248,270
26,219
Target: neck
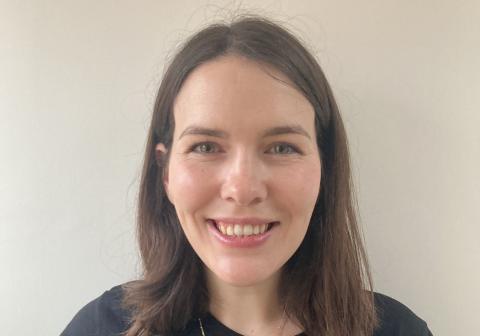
249,310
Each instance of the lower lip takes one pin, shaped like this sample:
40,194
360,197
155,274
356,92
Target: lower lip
235,241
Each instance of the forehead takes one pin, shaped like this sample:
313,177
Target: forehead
233,90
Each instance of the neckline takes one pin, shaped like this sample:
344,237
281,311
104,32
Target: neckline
210,322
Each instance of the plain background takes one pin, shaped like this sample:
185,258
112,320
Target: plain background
77,83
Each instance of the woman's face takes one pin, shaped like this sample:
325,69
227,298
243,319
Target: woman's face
244,149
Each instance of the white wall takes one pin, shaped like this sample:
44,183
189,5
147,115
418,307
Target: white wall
77,80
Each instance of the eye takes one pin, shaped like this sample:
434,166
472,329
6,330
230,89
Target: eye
284,148
203,147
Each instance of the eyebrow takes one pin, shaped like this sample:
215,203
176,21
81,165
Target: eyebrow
279,130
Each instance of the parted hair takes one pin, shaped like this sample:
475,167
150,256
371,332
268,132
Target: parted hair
326,285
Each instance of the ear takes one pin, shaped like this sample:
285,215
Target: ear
161,158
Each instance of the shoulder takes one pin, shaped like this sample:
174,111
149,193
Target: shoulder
395,318
101,316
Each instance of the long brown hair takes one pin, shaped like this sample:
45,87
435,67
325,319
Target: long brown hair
326,285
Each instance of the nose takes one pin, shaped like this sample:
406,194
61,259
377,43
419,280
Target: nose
244,181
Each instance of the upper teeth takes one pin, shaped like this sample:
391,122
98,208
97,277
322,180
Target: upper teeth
241,230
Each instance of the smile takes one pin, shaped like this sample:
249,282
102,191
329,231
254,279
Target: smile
241,230
241,235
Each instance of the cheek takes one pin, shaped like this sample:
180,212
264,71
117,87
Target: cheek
299,189
189,186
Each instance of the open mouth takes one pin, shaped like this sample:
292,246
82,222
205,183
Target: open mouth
244,230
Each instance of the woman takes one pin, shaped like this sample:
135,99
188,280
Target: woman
246,219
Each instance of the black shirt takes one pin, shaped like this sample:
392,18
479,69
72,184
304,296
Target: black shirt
104,317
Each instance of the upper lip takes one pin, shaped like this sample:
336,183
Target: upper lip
243,220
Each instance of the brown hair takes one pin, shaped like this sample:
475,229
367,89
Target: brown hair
323,282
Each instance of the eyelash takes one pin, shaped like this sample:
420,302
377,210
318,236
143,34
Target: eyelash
293,148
